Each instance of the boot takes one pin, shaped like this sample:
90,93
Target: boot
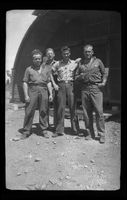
88,137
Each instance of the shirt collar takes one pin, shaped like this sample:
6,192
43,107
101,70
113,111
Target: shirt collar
93,59
69,61
35,67
50,63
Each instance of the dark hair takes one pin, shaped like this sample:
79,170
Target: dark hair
65,48
36,51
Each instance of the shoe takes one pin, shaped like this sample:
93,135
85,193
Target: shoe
74,132
102,139
88,137
92,134
24,136
57,134
44,133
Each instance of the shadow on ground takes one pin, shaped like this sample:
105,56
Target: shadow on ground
67,130
115,117
35,130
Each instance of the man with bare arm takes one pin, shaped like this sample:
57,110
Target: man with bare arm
91,74
65,70
36,84
49,63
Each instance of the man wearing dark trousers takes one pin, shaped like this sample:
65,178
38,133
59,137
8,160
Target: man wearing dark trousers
36,85
65,77
91,74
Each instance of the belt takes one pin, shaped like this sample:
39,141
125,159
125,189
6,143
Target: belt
38,84
65,81
87,84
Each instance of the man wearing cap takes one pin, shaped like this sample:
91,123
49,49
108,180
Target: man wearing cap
36,85
65,71
91,74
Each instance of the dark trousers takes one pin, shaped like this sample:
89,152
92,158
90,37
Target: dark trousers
55,107
38,97
65,90
92,100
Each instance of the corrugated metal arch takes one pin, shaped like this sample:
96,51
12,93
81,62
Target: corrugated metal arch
53,28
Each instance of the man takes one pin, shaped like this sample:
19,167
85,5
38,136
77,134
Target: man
50,62
91,73
36,84
65,76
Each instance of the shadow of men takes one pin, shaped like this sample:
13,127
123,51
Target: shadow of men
35,130
115,117
69,131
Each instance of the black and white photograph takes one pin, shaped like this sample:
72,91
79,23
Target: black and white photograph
63,100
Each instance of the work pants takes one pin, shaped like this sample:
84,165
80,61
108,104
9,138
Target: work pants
92,100
38,97
65,90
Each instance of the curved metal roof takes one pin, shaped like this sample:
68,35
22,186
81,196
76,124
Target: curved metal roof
45,28
54,28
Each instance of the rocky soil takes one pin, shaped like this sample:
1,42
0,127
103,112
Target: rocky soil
67,162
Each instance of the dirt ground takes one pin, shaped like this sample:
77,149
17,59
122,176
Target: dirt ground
66,162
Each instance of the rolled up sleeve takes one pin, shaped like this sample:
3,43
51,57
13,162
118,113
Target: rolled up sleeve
26,76
55,67
49,77
102,68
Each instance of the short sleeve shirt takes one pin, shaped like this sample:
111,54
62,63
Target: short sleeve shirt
93,73
51,65
65,72
33,76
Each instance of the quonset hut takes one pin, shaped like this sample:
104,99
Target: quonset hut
55,28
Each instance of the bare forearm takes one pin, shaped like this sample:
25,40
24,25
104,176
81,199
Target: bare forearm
25,89
52,80
56,87
49,85
104,81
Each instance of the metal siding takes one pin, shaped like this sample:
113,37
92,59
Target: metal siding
58,28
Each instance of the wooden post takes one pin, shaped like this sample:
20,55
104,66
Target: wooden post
12,86
108,61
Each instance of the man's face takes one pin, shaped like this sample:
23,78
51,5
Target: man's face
37,59
88,52
50,55
66,55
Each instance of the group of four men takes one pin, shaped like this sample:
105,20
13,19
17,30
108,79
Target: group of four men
64,77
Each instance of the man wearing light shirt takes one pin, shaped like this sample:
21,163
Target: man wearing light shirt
65,70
